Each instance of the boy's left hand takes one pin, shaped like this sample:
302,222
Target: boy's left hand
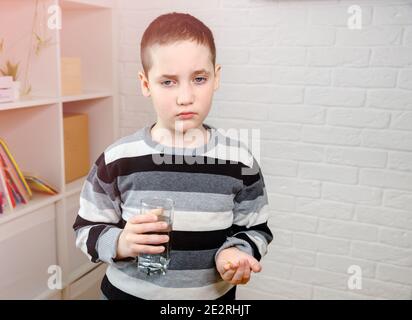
235,265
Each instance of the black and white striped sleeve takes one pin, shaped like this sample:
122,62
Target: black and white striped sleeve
98,224
250,232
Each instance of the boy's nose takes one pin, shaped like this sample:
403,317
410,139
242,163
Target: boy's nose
185,95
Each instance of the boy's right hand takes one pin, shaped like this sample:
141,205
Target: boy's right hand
134,240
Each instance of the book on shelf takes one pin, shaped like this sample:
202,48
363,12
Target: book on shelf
5,201
40,185
13,186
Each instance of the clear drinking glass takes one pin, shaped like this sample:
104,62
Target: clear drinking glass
157,263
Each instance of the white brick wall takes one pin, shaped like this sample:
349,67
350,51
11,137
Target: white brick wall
334,107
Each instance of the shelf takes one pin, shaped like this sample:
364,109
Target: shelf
95,52
33,136
37,63
33,129
86,96
74,187
85,4
37,201
99,111
28,102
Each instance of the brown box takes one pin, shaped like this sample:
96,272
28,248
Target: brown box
76,145
71,73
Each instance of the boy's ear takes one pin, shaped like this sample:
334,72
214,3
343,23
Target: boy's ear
144,84
218,68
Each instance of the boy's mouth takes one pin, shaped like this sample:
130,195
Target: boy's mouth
186,115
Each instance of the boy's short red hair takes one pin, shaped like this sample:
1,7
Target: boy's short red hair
173,27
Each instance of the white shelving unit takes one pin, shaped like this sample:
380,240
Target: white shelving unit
38,235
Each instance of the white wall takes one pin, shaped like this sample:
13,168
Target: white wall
335,109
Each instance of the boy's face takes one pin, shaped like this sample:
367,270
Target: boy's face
181,79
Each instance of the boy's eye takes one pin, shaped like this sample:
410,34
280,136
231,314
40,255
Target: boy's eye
166,84
197,80
203,78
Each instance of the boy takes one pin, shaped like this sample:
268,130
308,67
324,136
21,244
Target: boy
220,227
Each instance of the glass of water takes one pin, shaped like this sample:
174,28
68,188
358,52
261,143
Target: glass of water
157,263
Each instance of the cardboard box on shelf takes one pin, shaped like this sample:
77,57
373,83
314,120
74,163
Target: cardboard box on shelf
76,145
71,73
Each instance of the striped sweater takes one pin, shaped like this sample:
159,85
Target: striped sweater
220,201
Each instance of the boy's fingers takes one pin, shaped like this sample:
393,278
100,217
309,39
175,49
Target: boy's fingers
237,277
149,227
231,265
138,249
149,216
152,239
246,275
142,218
256,267
228,275
156,211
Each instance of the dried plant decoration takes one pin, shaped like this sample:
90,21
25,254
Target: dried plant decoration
26,90
39,38
41,43
10,70
40,29
38,41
